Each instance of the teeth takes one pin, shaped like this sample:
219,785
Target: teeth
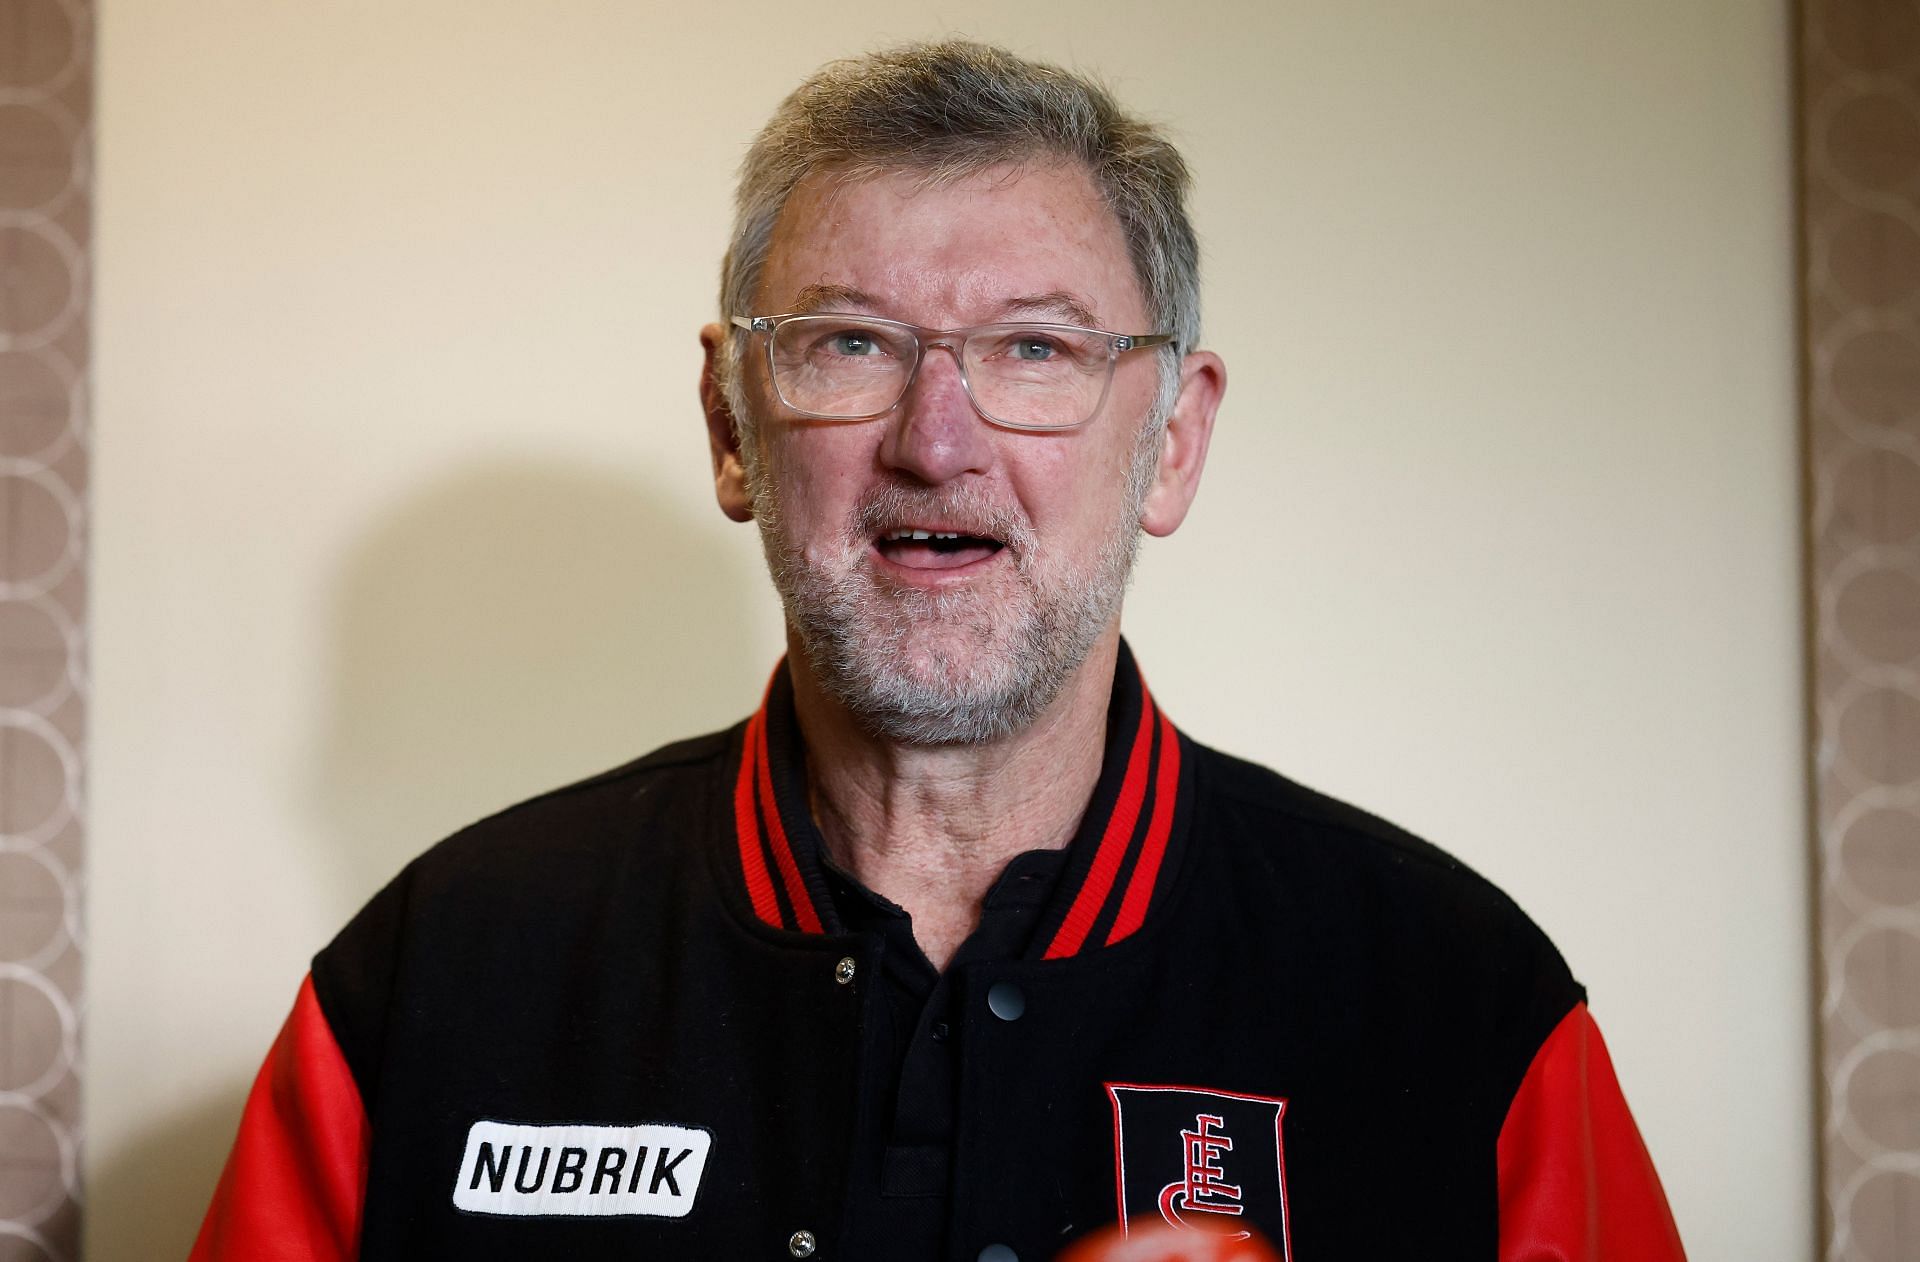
923,534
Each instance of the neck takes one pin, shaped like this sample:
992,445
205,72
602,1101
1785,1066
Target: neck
931,827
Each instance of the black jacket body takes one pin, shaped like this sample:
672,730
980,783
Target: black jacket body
649,948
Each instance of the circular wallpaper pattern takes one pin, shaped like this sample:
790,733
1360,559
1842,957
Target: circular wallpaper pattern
46,61
1860,171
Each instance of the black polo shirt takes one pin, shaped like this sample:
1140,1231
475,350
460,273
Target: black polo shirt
899,1184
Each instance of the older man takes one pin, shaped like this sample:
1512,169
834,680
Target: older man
957,948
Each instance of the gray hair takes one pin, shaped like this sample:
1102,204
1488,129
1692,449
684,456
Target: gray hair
950,109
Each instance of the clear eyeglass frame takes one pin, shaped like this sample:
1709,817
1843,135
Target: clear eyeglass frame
955,341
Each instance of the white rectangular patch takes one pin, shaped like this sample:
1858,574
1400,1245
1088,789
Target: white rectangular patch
579,1171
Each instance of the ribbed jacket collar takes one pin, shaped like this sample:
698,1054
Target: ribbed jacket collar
1120,863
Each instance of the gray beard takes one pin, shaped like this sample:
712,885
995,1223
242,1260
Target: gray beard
874,645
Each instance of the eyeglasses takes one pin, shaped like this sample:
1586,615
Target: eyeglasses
1020,376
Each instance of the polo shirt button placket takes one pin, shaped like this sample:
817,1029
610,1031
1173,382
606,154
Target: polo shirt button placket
1008,1002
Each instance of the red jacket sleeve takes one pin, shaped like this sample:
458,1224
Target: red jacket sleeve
1576,1184
292,1190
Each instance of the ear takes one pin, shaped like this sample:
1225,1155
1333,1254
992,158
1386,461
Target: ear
1183,451
729,474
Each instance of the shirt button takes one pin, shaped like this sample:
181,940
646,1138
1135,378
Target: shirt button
1008,1002
801,1244
998,1253
844,970
939,1031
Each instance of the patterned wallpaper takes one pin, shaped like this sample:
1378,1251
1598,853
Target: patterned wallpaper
46,89
1860,195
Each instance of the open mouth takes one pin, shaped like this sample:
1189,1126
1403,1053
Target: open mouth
919,549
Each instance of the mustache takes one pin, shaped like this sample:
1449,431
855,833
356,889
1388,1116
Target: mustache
966,509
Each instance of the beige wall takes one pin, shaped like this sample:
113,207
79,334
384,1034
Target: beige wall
402,506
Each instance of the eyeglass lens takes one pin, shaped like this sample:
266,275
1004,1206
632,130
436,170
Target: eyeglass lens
1037,375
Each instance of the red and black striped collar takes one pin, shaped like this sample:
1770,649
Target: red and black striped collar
1121,861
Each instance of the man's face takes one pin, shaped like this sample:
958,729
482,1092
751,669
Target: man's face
931,640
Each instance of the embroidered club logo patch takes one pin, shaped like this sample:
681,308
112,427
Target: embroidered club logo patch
581,1171
1198,1160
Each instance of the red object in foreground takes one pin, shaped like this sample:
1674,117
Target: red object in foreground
1163,1244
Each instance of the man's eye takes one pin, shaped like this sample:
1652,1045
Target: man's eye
1034,348
852,343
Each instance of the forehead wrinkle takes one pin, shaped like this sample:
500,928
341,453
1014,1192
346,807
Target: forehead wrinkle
934,281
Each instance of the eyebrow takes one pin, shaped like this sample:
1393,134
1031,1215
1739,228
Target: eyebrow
1056,302
832,298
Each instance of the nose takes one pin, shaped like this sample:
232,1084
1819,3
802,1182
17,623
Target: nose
935,435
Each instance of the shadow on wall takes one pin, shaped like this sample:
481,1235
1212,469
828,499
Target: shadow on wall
158,1185
515,627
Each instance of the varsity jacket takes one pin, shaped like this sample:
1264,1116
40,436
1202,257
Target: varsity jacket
617,1022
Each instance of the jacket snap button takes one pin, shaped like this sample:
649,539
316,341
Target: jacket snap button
842,973
801,1244
998,1253
1008,1002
